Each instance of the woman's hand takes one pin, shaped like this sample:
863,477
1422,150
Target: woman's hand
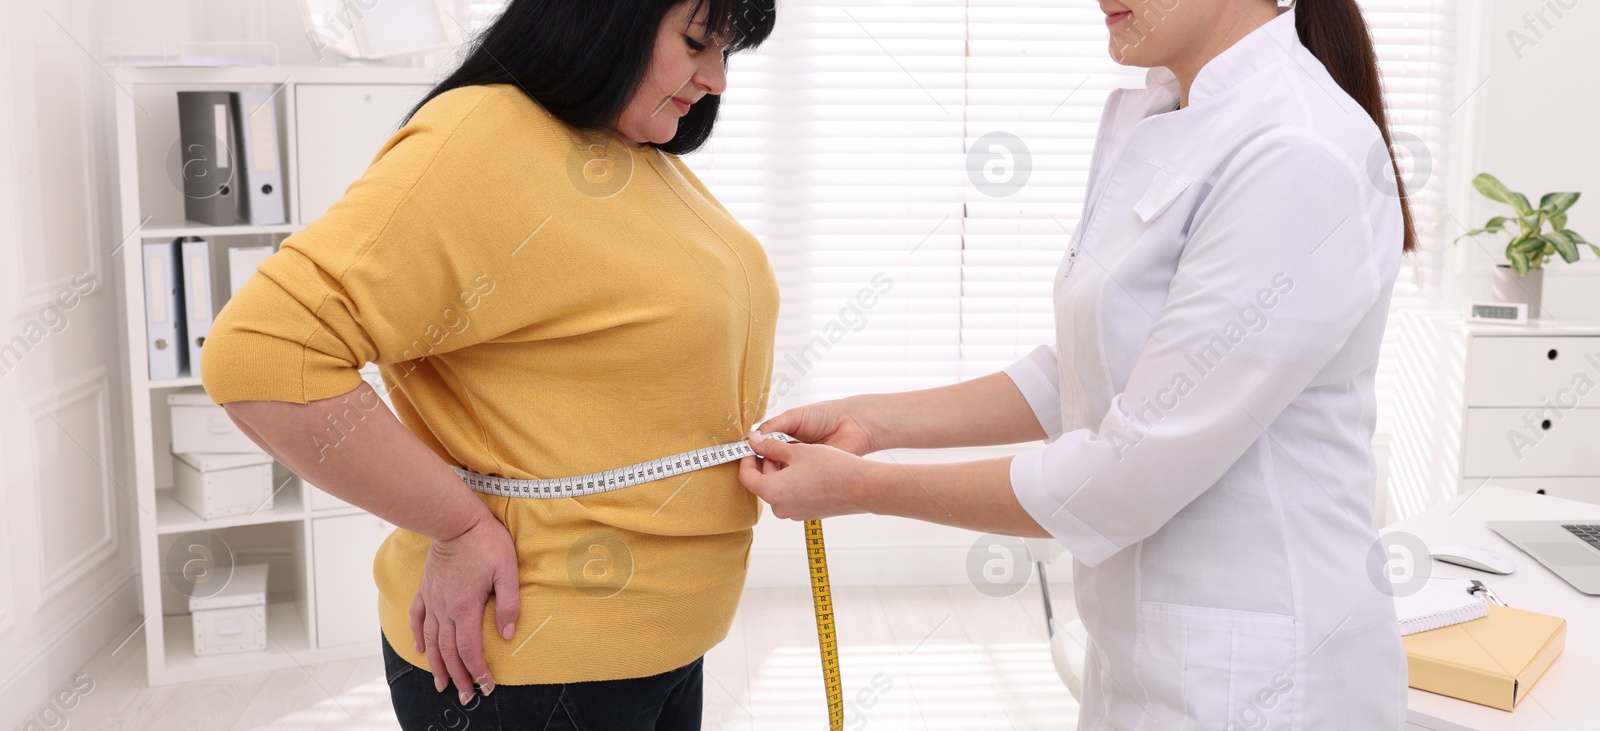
807,481
850,424
447,614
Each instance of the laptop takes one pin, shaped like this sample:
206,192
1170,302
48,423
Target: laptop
1571,549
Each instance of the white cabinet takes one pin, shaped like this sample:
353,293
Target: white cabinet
1516,406
319,607
342,550
1531,442
1524,370
340,128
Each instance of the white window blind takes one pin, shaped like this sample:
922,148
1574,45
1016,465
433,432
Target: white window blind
845,145
1417,56
841,147
1037,71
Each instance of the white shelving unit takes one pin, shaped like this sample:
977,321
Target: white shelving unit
343,115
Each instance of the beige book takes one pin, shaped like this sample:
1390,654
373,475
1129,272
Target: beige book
1493,661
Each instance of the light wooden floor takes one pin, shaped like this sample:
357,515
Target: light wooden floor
923,658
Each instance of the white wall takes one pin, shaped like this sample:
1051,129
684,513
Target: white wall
1535,123
66,540
136,23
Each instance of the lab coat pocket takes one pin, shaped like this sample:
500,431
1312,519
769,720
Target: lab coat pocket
1163,190
1233,669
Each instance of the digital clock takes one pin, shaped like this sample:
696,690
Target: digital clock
1496,313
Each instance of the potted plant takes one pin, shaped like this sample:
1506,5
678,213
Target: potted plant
1531,246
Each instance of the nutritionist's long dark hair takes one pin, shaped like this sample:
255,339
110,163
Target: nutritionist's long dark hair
1336,33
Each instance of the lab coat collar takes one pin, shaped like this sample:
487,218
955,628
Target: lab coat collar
1271,43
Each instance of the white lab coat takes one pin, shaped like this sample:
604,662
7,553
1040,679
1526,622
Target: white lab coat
1210,403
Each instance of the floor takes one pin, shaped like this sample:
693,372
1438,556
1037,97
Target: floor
924,658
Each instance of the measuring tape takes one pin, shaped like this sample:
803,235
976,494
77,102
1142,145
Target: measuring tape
822,605
683,463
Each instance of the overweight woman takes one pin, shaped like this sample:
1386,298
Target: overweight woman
548,291
1208,404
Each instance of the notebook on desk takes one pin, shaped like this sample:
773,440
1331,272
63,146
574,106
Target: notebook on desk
1440,603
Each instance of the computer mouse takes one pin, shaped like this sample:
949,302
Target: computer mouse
1481,559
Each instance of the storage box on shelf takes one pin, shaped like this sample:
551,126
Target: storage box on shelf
235,618
213,562
1512,405
320,604
199,425
223,485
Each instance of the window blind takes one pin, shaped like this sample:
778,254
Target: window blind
1417,56
915,170
841,147
1038,75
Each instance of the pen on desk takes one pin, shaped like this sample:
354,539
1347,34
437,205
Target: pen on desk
1479,587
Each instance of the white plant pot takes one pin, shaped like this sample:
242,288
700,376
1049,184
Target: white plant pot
1528,290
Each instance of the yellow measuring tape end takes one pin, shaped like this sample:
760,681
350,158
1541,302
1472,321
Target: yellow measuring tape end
822,601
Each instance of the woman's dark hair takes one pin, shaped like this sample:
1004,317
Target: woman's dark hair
1336,33
582,60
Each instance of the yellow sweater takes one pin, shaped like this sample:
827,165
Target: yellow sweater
537,312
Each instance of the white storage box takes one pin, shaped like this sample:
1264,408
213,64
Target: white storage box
199,425
234,619
220,485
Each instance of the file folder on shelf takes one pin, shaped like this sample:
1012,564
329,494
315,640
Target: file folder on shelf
259,159
163,311
242,263
209,158
199,292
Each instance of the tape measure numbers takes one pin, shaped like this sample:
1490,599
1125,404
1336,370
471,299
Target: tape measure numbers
678,464
617,479
822,605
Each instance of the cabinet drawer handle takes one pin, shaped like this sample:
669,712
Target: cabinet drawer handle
1545,425
1552,354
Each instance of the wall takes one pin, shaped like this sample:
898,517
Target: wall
139,23
1534,121
66,576
68,539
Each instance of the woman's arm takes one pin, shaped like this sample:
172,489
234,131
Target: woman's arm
354,448
980,412
972,495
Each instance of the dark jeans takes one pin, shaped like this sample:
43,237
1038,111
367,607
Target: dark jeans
666,702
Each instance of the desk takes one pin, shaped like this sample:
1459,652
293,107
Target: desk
1567,698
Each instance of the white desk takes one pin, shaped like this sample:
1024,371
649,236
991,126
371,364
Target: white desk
1567,698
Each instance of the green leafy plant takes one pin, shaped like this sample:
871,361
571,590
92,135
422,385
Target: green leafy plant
1531,246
